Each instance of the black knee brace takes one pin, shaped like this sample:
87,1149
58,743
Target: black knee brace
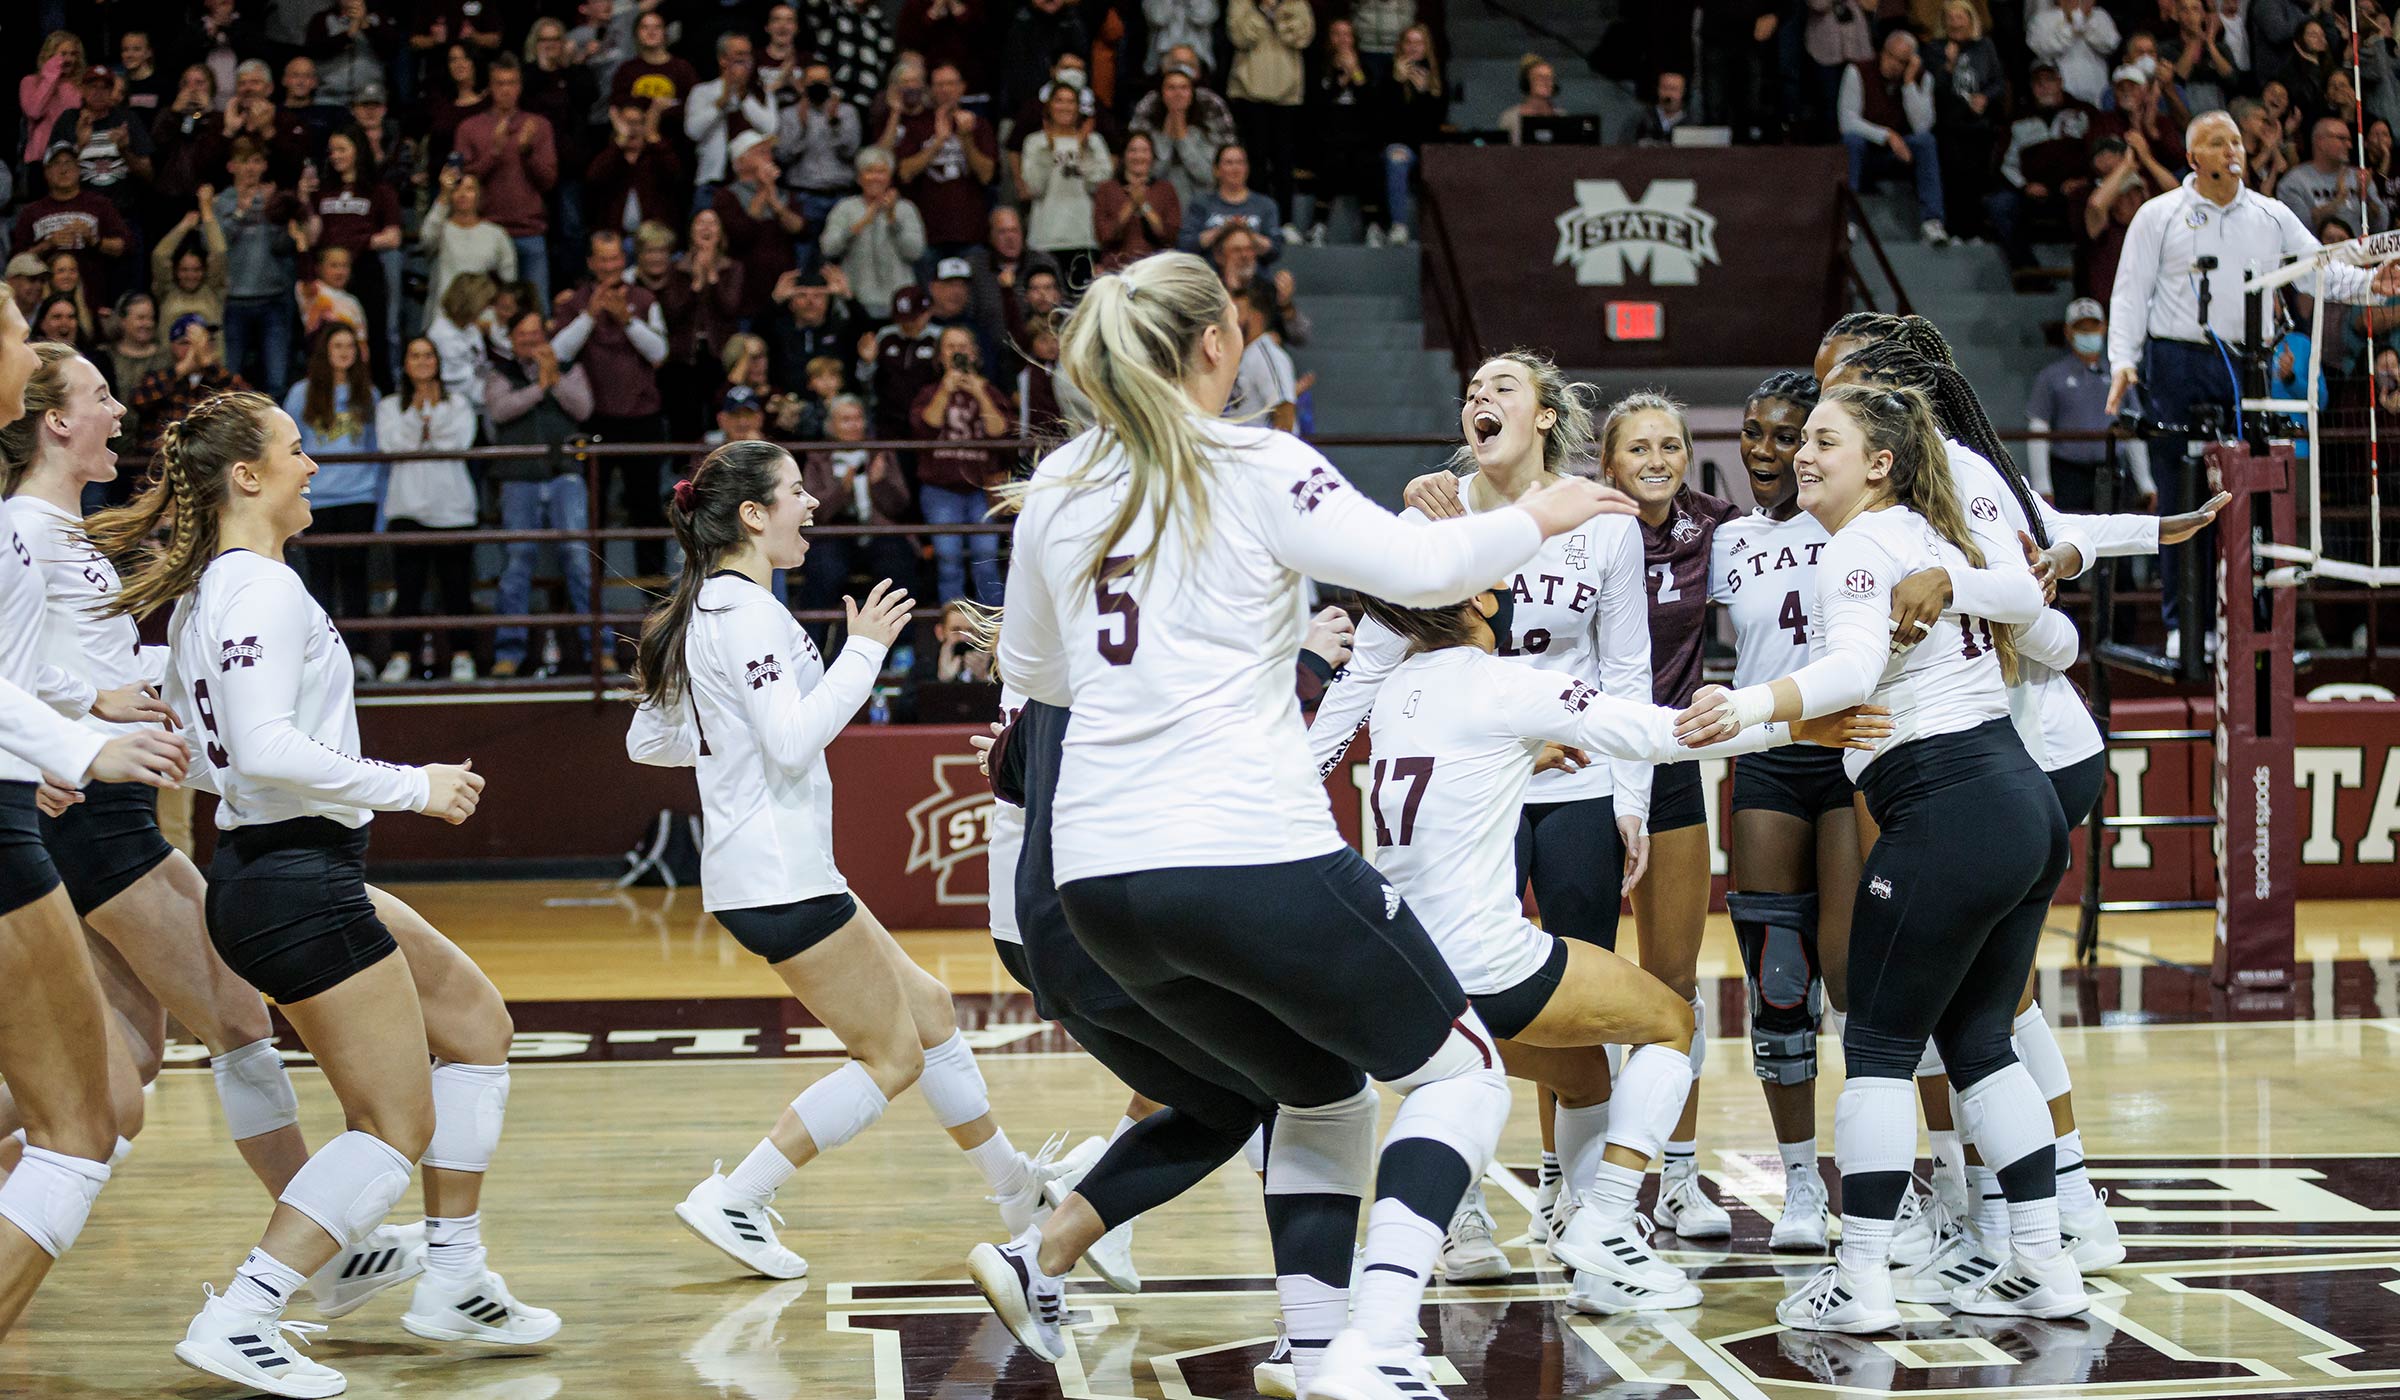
1778,938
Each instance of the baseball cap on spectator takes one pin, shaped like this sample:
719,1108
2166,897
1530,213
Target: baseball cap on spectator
743,144
371,95
185,322
952,268
910,301
2084,309
26,265
741,398
2128,73
2041,66
61,148
99,73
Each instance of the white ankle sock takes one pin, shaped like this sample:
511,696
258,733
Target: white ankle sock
1614,1190
1124,1125
1401,1246
1990,1205
1313,1311
761,1173
263,1284
1002,1166
454,1246
1799,1158
1552,1171
1680,1158
2033,1229
2074,1183
1866,1244
1582,1135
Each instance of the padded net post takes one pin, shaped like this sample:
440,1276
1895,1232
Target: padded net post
2258,808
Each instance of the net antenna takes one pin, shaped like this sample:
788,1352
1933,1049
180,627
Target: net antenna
2301,563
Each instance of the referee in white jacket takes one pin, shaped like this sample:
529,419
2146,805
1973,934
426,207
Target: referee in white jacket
2212,231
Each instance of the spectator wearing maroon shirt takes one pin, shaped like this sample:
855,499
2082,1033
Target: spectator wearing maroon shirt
962,407
1137,213
73,218
515,154
760,222
350,208
654,75
950,32
947,159
188,145
465,98
612,329
637,177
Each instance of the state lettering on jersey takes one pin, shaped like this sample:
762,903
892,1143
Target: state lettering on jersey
1578,696
1762,562
244,653
1578,601
1310,491
760,672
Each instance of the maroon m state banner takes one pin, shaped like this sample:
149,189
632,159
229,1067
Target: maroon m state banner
1738,246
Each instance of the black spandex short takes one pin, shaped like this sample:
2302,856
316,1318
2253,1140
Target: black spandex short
1512,1009
2079,786
1571,854
26,870
1803,780
1676,800
1012,957
779,931
106,842
288,906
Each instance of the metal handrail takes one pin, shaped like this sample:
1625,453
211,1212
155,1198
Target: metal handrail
1854,215
1450,299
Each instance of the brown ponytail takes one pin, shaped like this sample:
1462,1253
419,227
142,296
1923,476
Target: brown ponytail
706,512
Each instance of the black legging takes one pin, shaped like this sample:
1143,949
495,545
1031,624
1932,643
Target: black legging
451,567
1575,859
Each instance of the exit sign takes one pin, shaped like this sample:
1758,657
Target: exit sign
1636,320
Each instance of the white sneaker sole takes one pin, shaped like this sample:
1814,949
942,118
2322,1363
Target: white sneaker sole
1275,1380
699,1224
1811,1239
1720,1228
1987,1306
2098,1256
1111,1260
996,1279
1872,1322
1610,1267
434,1331
1476,1268
1619,1297
254,1380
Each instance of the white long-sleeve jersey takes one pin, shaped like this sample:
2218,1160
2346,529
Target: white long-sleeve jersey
1764,572
1187,747
1945,684
1580,611
758,710
38,701
258,671
1455,733
99,651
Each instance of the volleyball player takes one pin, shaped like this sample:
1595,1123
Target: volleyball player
1155,589
2059,731
1971,842
732,686
53,1024
1578,610
1793,837
374,991
139,894
1456,732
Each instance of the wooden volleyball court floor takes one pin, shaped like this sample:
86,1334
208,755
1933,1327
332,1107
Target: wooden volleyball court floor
2250,1148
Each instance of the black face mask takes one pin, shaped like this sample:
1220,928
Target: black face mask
818,92
1503,620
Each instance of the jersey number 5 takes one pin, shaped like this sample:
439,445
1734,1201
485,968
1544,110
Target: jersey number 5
208,721
1113,595
1418,774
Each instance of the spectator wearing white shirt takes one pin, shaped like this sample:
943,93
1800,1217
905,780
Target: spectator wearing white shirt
1264,387
1886,111
1179,24
2081,39
722,108
433,494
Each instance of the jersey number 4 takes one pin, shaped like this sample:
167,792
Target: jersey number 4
1418,774
1119,613
1794,617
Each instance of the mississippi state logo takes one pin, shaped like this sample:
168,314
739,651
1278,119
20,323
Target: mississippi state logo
1578,554
1685,529
1880,887
1859,583
1984,508
1310,491
758,673
245,652
1577,696
1663,236
951,828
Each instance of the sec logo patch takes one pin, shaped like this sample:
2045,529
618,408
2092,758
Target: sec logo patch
1859,584
1985,508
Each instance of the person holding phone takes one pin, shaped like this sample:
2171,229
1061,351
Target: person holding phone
963,407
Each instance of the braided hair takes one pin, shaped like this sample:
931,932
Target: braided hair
1793,386
188,492
1899,361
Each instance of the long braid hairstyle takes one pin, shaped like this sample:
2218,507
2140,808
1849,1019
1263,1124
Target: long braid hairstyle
188,492
1796,387
45,390
1961,412
1901,420
706,511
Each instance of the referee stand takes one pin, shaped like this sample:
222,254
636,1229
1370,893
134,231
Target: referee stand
2254,729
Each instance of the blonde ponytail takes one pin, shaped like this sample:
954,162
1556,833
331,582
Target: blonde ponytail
194,456
1128,348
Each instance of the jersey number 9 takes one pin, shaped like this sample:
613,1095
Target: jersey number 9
208,721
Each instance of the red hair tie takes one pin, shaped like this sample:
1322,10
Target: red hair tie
683,495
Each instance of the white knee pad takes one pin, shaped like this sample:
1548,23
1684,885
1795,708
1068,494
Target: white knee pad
2005,1116
1698,1054
469,1104
255,1089
1464,1112
1649,1098
349,1185
1929,1064
1324,1151
952,1083
2037,1050
1875,1127
1254,1151
840,1106
50,1195
1466,1050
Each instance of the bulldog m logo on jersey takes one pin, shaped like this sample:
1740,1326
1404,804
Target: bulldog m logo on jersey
760,672
245,652
1661,236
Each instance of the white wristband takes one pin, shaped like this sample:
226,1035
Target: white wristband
1752,704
